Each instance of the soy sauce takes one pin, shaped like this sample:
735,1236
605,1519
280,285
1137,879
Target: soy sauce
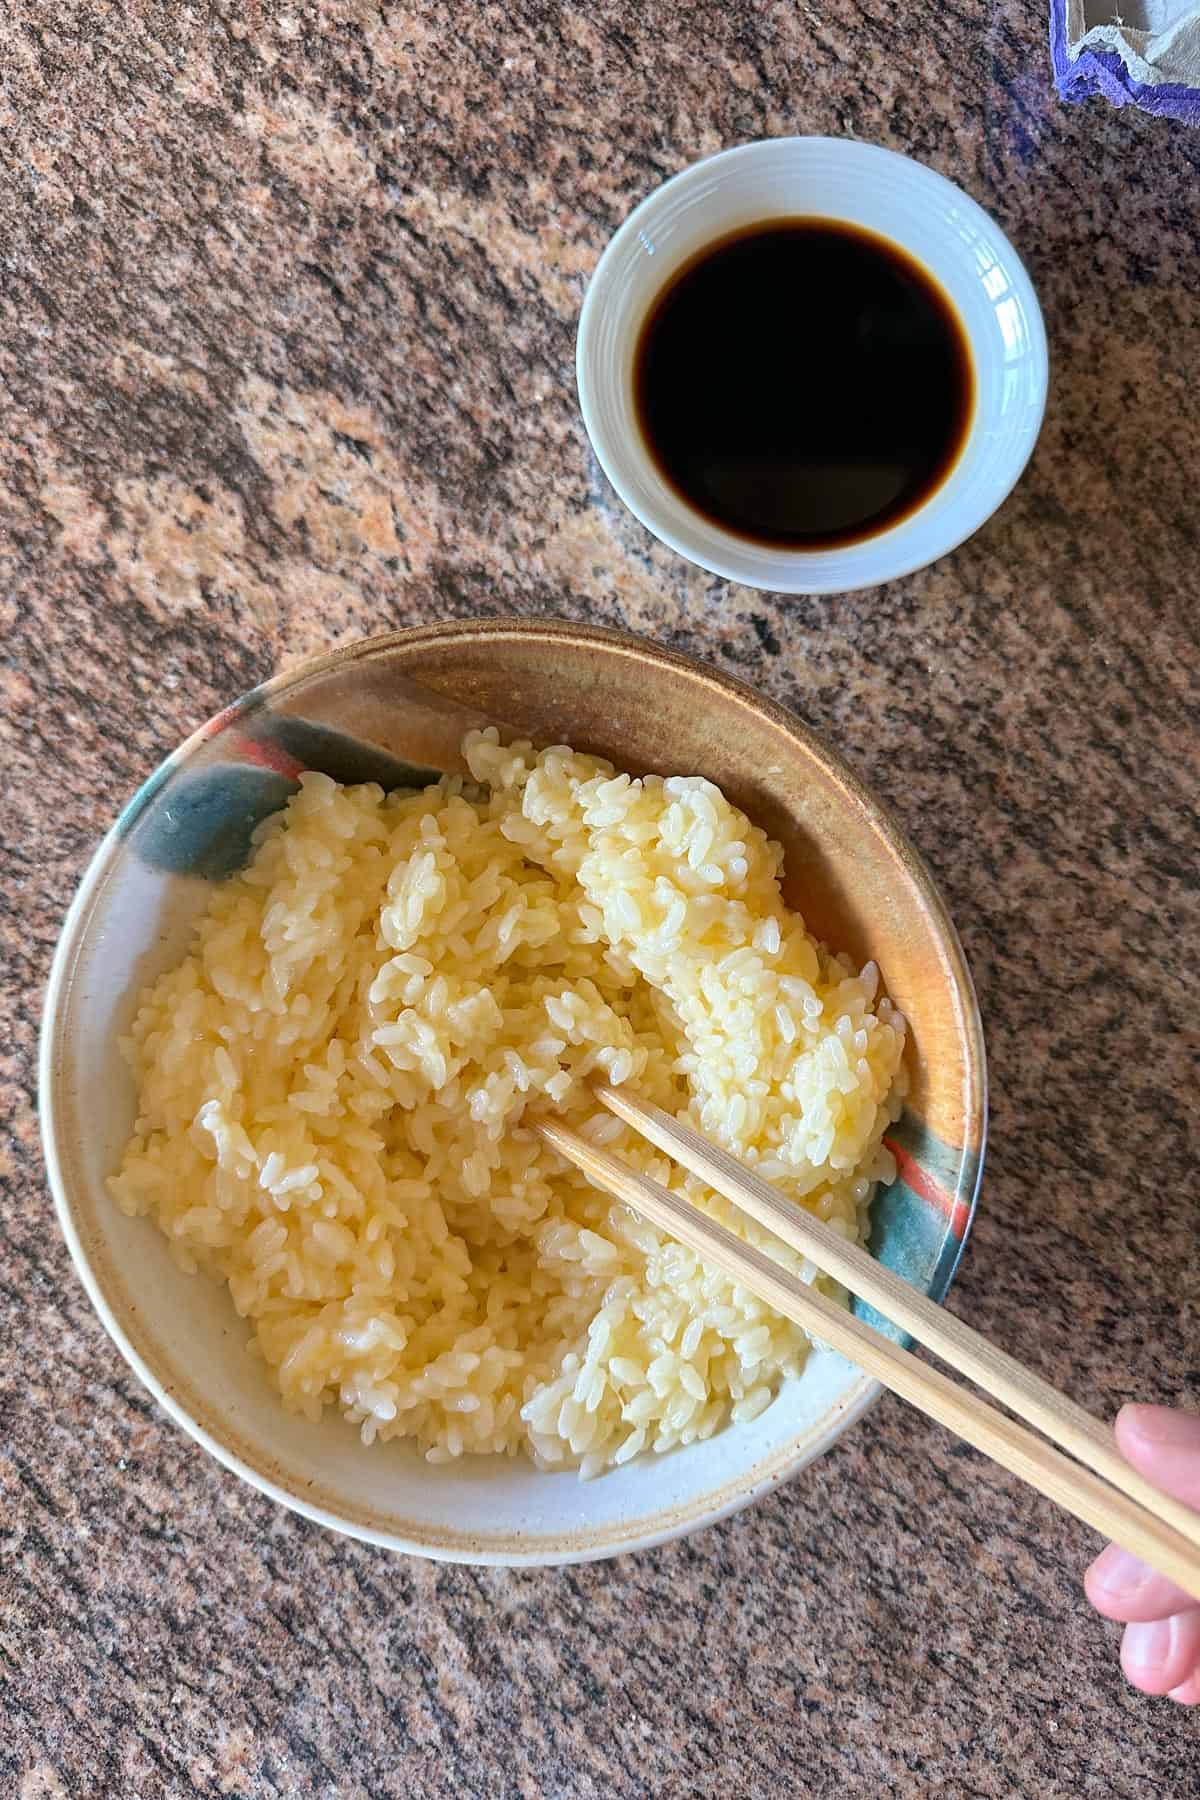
803,383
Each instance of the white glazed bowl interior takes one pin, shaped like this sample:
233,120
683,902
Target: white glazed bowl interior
901,200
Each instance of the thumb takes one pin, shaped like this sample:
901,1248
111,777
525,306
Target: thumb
1164,1446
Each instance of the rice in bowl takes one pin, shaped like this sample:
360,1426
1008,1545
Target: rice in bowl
332,1087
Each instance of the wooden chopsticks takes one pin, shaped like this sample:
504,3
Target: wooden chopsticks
1122,1506
990,1368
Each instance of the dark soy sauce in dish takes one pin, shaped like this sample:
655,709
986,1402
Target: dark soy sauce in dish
803,384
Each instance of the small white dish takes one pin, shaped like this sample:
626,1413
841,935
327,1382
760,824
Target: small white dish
952,238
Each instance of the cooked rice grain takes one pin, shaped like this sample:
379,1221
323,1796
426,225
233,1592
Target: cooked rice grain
332,1087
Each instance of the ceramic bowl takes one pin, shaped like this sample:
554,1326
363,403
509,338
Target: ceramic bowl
898,199
857,880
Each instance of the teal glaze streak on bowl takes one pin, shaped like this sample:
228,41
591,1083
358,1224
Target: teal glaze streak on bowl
916,1220
192,749
200,821
204,824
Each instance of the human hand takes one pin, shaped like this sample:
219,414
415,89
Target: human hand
1160,1651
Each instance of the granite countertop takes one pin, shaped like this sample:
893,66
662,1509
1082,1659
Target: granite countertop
288,311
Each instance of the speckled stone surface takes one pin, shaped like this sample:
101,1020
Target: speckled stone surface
286,328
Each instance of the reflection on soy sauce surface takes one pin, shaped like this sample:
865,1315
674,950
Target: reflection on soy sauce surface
803,383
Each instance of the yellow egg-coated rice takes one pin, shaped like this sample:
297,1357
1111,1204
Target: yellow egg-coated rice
332,1090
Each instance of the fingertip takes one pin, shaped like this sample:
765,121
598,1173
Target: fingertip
1188,1692
1121,1586
1164,1445
1160,1655
1107,1581
1134,1425
1165,1427
1147,1659
1094,1584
